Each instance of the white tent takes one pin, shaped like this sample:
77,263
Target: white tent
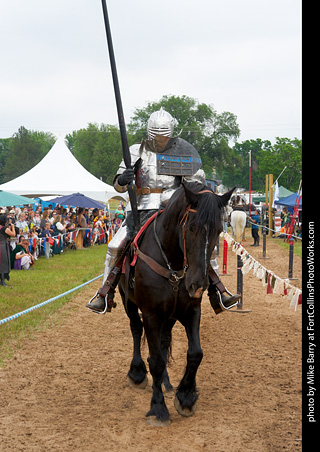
60,173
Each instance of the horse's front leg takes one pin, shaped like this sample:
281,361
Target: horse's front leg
166,339
137,374
186,395
158,415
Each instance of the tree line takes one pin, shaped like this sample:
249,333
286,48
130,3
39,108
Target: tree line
214,135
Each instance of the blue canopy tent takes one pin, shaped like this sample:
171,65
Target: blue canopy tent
77,200
290,201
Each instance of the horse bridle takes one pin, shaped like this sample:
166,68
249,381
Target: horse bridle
173,276
176,276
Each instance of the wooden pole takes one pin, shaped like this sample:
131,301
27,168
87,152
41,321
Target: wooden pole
123,133
267,191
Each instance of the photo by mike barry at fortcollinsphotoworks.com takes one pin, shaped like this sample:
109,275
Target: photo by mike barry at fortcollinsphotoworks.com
310,409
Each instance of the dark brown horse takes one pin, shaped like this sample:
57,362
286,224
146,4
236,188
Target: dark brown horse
171,274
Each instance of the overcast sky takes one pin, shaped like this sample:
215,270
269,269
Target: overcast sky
239,56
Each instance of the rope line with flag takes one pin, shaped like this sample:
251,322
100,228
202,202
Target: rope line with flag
272,282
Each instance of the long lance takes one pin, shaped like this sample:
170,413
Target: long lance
122,125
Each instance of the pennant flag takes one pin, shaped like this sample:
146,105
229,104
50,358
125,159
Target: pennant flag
269,288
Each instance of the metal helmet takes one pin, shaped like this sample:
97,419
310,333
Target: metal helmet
160,123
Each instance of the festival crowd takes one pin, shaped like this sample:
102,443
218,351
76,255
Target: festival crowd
48,231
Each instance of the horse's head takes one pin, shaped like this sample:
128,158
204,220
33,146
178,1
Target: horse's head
200,222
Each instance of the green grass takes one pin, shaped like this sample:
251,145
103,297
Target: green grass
49,278
297,246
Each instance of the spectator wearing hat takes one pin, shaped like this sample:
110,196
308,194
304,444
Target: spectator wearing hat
12,215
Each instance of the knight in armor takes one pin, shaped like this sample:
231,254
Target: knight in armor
238,203
153,189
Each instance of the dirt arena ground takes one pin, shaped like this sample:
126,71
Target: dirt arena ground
66,389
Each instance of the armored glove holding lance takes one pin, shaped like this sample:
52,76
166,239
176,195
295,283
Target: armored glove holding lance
126,177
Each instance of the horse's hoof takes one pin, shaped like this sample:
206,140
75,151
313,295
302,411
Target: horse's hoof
154,422
184,411
168,392
141,385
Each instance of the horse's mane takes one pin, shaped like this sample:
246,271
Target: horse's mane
208,205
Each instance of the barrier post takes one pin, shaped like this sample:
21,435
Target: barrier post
264,242
239,281
225,256
291,248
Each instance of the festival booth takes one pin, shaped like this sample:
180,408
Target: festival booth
60,173
283,192
290,201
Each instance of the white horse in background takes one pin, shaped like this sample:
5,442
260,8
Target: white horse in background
238,219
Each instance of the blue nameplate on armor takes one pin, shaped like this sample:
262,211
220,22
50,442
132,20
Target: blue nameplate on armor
178,165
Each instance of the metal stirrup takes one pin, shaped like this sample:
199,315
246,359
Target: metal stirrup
105,306
223,307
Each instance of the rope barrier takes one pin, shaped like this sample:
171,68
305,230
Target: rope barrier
274,283
26,311
273,230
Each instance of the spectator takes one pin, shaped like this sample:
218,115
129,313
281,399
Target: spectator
22,224
12,215
44,219
98,229
81,223
73,219
46,233
255,227
31,218
119,213
22,252
68,218
37,221
285,217
64,213
69,227
52,216
6,231
58,231
33,236
86,215
115,224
